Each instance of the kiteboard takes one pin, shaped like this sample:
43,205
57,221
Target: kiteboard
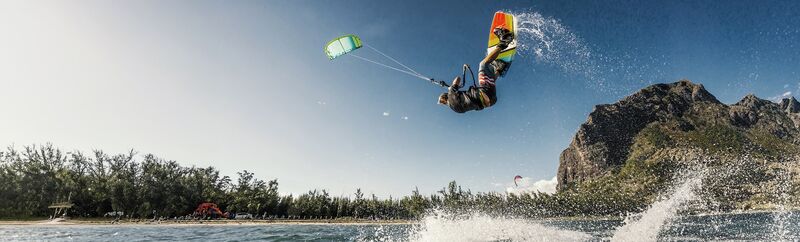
508,21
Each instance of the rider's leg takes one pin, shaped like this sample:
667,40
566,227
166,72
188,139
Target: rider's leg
505,37
491,56
500,67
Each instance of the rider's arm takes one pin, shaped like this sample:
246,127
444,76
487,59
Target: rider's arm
456,83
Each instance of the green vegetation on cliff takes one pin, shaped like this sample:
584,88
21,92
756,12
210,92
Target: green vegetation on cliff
744,149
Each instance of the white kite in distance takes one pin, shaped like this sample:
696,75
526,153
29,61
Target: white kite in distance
527,185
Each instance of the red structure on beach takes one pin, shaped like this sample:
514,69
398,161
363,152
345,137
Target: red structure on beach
209,210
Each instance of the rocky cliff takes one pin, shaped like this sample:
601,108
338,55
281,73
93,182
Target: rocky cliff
651,132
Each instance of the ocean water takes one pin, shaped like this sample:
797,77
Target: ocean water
744,226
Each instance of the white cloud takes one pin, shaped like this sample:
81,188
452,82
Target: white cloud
782,96
405,117
385,114
526,185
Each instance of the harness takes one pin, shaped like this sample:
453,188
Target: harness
485,100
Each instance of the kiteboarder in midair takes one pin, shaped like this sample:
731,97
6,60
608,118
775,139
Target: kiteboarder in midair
484,95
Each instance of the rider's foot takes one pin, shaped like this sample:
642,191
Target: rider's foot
505,36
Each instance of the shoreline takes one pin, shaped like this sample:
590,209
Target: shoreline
110,222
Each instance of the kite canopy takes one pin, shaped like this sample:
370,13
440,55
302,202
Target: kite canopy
348,43
342,45
517,178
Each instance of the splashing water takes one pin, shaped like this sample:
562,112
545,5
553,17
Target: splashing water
781,218
479,227
548,41
645,226
551,42
649,223
663,220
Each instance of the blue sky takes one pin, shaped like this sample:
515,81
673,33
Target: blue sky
245,85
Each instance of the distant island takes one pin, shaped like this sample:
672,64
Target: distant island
621,160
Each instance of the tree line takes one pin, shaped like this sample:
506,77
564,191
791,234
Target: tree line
35,176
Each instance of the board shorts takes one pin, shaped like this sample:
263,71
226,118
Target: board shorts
486,83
